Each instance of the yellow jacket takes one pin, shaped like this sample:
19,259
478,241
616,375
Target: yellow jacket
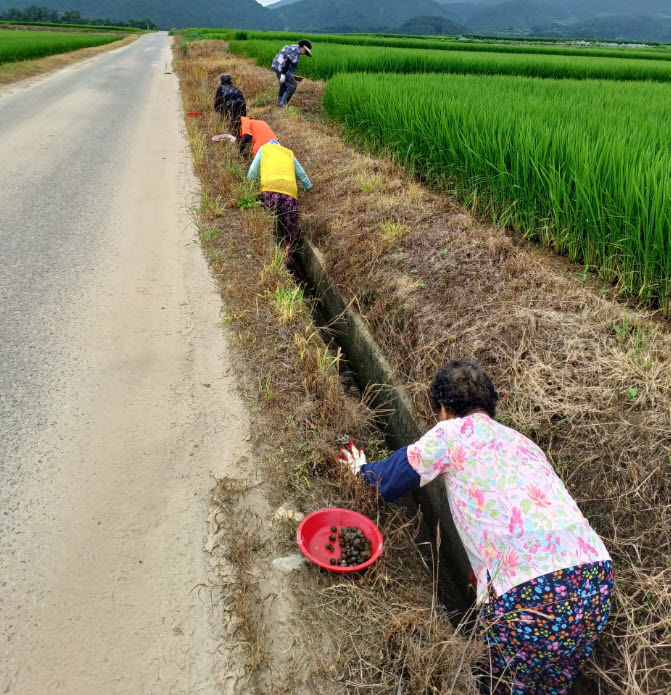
277,170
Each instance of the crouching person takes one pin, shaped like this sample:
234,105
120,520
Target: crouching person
544,577
277,168
254,133
229,102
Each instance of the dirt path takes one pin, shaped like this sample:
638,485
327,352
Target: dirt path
125,411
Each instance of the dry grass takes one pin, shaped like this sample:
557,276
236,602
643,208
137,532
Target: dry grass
383,631
587,378
13,72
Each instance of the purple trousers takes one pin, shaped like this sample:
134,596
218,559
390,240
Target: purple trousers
285,210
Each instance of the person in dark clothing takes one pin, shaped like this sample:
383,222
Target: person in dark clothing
284,65
229,102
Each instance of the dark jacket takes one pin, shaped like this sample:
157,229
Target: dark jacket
229,102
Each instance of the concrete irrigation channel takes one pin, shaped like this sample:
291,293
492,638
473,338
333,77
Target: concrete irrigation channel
400,423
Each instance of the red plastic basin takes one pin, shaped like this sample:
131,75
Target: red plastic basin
314,531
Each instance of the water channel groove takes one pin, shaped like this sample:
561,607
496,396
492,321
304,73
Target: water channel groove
400,423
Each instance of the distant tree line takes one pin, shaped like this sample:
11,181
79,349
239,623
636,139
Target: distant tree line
35,13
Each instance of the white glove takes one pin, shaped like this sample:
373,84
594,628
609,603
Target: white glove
352,457
282,78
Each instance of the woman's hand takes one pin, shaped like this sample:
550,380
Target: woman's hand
353,457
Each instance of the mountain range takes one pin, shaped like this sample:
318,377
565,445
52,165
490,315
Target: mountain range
613,19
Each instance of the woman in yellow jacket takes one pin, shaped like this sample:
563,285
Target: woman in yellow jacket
277,168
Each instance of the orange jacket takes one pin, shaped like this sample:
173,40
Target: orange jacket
260,132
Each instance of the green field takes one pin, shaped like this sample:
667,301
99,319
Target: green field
336,59
86,27
579,160
25,45
582,166
437,43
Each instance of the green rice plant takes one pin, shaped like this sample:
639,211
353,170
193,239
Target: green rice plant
27,45
194,34
337,59
64,25
443,43
585,167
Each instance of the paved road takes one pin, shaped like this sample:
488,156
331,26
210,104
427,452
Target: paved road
113,384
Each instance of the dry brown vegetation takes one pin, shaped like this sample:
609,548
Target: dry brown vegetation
587,378
382,631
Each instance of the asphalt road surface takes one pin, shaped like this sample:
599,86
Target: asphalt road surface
116,401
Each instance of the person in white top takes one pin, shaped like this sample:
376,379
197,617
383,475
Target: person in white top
544,577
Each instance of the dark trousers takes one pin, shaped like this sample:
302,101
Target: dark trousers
287,89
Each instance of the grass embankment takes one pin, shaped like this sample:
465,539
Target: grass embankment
439,43
25,45
581,166
586,378
337,59
378,632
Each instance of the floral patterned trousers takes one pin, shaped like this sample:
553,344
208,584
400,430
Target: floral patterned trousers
285,210
539,633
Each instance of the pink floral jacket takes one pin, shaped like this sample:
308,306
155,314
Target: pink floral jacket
515,517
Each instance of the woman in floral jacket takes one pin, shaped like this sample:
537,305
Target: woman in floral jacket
544,577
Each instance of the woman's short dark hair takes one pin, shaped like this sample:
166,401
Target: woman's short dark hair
463,386
305,43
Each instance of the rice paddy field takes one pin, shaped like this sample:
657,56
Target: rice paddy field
16,45
652,52
581,164
372,59
62,25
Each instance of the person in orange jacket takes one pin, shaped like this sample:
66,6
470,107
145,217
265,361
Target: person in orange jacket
252,132
256,132
277,168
